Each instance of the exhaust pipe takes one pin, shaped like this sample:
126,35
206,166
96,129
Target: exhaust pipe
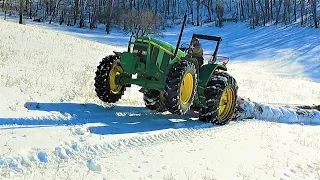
181,31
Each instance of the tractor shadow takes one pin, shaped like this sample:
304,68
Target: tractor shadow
109,120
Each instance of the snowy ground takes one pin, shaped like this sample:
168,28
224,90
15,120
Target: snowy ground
54,127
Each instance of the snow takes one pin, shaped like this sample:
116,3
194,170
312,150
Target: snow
54,127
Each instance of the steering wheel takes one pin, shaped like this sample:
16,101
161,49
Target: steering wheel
185,47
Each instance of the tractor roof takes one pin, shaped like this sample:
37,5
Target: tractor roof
168,48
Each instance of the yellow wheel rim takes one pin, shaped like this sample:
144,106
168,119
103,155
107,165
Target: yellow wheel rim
186,88
114,87
225,103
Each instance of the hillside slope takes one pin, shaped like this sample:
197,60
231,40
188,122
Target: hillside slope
54,127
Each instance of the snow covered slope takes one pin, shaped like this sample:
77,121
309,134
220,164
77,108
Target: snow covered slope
54,127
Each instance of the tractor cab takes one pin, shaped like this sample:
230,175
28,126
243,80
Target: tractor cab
209,58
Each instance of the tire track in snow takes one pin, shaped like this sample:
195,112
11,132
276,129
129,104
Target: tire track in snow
163,130
87,151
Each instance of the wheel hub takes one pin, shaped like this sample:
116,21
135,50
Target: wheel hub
225,103
114,87
186,88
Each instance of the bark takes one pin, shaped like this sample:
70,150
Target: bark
109,15
278,12
21,12
302,10
62,17
267,12
271,9
263,12
30,9
220,10
156,7
242,10
93,18
76,11
295,10
53,14
168,7
314,12
198,12
173,10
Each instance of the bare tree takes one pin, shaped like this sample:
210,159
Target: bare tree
302,10
21,11
53,14
109,14
219,10
141,23
198,12
314,12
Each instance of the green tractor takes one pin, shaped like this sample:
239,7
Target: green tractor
171,79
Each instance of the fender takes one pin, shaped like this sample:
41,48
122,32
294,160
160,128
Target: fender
206,72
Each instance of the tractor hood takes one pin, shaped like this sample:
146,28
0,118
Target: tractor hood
168,48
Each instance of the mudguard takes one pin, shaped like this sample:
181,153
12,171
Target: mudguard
206,72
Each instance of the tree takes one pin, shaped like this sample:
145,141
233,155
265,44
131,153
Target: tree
109,13
141,23
219,10
21,11
314,12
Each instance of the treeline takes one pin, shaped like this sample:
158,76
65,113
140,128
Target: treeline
148,16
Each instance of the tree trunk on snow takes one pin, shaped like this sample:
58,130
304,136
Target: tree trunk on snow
173,10
61,21
295,10
220,10
271,10
81,23
76,11
242,10
266,10
198,12
278,12
314,12
263,13
30,9
21,12
2,6
109,16
156,7
53,14
302,10
93,18
168,7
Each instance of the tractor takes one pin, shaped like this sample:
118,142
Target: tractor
170,78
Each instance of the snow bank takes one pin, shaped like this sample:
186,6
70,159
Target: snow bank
248,109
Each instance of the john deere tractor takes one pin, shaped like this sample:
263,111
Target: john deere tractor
170,78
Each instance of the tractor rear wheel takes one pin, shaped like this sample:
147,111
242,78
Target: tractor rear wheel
221,96
181,86
154,100
105,85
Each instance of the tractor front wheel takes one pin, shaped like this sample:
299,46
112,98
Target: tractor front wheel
105,80
181,86
221,96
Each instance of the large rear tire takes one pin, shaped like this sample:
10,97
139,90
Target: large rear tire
181,86
221,96
154,100
105,86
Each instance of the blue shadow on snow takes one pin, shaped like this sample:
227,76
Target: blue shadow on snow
114,120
